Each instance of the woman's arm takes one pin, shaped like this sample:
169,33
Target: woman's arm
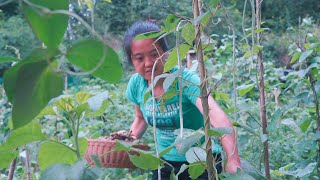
139,125
219,119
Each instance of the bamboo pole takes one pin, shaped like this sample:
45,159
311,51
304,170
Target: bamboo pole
263,113
204,93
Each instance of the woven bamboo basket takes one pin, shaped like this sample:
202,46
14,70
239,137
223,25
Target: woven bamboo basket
116,159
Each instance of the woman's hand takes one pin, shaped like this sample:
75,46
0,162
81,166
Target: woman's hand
123,135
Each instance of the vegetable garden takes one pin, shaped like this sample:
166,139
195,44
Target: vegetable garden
64,78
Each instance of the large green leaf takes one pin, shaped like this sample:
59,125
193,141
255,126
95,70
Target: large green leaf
173,57
11,75
21,136
90,54
145,161
54,152
31,83
196,169
49,28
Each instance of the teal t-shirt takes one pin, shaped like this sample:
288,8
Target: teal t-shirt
167,116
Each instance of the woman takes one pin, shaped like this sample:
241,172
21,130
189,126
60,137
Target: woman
143,54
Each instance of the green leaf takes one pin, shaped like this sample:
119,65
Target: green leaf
95,55
8,59
304,126
244,89
213,3
11,75
83,145
165,151
170,23
183,144
19,137
188,33
146,161
295,57
173,57
148,35
169,94
196,169
122,146
7,157
82,97
305,55
33,85
54,152
49,28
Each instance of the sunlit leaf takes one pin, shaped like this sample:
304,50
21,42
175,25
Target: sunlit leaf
295,57
49,28
91,55
244,89
83,145
54,152
173,57
82,97
170,23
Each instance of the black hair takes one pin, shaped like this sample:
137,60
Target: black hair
141,27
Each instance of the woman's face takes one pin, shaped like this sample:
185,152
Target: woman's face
144,53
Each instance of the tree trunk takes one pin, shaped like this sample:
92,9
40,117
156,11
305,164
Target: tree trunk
204,93
262,103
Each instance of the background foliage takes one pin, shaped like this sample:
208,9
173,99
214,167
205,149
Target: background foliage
291,110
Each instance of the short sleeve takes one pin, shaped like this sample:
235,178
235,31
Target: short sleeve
132,89
191,88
